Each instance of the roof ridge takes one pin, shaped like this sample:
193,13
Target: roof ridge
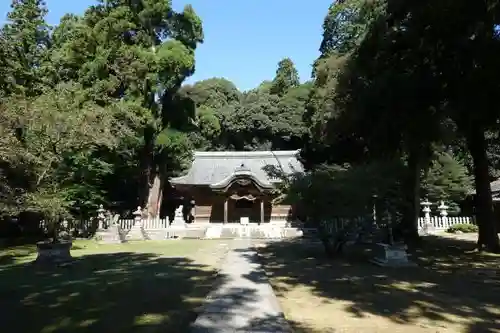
263,153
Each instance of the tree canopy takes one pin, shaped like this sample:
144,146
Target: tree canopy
96,110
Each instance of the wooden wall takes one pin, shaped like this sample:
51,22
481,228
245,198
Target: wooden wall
282,212
210,208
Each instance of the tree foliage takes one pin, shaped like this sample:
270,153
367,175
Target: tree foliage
286,77
396,81
44,140
96,109
24,45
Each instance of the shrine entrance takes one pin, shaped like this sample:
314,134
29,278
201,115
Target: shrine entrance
244,209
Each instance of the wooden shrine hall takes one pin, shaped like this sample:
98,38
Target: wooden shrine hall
235,187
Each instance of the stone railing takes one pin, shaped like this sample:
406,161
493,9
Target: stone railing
426,224
438,223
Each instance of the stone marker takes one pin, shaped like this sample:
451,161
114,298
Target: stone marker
58,252
53,253
392,256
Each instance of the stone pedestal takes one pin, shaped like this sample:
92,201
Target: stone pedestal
391,256
109,236
213,232
54,253
178,218
429,228
137,230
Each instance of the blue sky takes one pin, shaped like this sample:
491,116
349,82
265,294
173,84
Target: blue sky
244,39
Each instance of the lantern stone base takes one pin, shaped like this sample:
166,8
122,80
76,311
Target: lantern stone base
178,223
387,255
109,236
136,233
429,229
54,253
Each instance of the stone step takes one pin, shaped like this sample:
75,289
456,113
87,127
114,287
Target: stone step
227,232
156,234
194,233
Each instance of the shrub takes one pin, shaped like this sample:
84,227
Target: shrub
462,227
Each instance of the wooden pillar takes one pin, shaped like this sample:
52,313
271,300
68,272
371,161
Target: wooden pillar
225,210
262,210
193,210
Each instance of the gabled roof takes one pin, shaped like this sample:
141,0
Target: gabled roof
495,185
495,188
217,169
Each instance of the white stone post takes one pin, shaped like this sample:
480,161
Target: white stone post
443,211
427,215
374,210
179,217
138,217
101,217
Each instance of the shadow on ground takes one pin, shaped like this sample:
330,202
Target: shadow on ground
118,292
452,284
242,303
13,252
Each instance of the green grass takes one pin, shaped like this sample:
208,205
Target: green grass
132,287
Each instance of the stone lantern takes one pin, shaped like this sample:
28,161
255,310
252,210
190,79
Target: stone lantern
101,218
443,211
427,215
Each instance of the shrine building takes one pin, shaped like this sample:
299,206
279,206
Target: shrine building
235,187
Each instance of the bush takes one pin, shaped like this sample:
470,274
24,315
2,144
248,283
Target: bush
330,191
462,227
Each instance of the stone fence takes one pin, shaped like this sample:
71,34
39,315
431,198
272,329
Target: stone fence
427,223
436,223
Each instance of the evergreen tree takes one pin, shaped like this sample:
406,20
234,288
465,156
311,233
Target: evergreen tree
24,49
286,77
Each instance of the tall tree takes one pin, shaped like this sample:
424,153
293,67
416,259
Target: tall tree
138,54
24,44
421,72
286,77
344,27
209,97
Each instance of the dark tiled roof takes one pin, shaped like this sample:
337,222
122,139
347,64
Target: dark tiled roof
210,168
495,188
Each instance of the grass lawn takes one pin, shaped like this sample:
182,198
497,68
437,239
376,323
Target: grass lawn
132,287
454,289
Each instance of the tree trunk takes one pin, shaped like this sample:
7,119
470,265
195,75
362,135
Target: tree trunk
488,237
55,231
147,167
412,190
155,196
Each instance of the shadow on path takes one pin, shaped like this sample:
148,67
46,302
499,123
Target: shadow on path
245,302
